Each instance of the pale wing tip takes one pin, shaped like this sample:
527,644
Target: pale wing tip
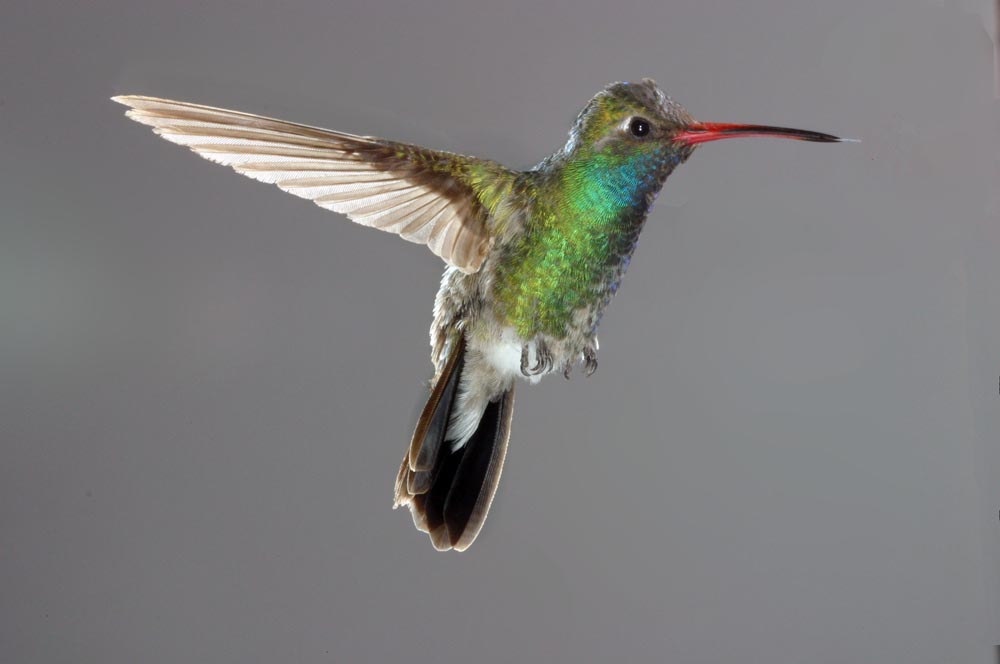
134,103
128,100
142,101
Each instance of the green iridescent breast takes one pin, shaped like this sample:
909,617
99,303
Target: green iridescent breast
577,242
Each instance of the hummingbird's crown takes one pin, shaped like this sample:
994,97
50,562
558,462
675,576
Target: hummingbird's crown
647,94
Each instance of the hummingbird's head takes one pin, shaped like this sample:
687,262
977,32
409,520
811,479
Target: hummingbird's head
629,122
631,136
637,120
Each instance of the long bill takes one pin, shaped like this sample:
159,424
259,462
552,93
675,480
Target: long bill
704,132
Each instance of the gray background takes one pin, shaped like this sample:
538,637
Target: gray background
788,454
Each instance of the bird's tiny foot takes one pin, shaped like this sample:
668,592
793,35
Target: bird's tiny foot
589,360
543,358
567,370
524,360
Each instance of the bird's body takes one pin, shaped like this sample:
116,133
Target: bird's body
534,256
564,233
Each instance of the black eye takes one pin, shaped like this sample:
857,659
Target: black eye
639,127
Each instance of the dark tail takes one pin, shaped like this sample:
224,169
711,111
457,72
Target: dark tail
449,492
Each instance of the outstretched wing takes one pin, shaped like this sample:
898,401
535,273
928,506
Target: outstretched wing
425,196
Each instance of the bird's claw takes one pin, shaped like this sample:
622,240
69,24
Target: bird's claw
589,361
543,359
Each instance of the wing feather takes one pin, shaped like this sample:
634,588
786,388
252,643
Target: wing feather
425,196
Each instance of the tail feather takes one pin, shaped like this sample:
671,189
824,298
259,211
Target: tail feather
449,491
478,473
432,427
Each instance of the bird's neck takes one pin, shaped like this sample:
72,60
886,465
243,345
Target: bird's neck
611,190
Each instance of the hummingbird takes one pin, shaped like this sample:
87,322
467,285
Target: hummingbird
533,256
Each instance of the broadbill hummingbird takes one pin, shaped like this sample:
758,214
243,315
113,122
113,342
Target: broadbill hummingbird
533,256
